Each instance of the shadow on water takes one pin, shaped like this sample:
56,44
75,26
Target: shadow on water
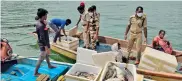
56,56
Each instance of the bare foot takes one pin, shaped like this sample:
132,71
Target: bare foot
137,62
37,74
51,67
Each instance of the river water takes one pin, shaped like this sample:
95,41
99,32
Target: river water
114,18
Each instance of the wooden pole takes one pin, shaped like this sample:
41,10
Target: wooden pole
160,74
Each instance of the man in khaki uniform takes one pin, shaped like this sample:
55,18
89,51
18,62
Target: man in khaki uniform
94,26
137,23
97,21
84,18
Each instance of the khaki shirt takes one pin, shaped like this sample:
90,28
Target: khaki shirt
97,19
94,20
92,24
136,23
84,18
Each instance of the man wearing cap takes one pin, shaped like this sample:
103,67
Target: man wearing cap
84,18
137,23
82,4
82,11
93,26
97,22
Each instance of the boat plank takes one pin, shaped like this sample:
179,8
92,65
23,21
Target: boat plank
160,74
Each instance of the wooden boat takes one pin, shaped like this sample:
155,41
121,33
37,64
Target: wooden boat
22,69
61,50
159,76
102,39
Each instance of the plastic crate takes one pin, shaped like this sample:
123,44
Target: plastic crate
82,68
155,60
69,42
130,67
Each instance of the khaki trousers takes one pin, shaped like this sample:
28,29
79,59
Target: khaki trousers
85,37
138,39
92,40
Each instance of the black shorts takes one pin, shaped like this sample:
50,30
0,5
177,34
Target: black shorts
41,47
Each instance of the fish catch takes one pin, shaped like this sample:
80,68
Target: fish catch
115,73
68,40
86,75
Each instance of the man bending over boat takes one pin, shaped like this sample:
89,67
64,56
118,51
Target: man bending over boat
43,39
57,25
137,23
82,10
84,18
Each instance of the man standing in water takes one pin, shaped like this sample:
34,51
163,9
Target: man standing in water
136,23
43,39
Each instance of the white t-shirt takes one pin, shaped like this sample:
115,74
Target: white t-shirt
119,55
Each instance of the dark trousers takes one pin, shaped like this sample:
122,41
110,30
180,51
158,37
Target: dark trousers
57,30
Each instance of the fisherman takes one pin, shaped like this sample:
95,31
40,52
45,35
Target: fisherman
37,18
43,40
84,18
6,50
97,22
57,25
93,26
120,56
162,44
45,22
136,23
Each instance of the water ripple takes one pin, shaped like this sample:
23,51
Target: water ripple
114,17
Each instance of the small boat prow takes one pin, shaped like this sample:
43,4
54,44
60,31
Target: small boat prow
22,69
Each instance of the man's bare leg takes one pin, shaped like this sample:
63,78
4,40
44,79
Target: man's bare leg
41,58
48,62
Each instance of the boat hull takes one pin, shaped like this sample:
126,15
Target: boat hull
106,40
23,69
63,51
159,76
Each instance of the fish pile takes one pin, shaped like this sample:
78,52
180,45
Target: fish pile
68,40
86,75
115,73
